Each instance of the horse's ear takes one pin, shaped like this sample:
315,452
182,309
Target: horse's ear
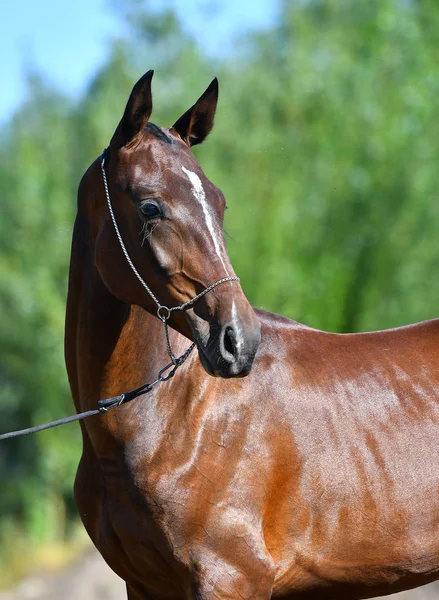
138,109
197,122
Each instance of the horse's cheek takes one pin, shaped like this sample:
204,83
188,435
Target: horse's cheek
168,253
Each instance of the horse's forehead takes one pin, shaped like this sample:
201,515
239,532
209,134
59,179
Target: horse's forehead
166,162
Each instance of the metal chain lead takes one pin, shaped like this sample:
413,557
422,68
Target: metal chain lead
163,312
119,237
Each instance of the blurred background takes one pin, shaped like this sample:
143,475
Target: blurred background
326,145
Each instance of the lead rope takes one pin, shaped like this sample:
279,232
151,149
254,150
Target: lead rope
163,313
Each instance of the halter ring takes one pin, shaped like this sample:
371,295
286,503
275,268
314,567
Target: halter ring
163,317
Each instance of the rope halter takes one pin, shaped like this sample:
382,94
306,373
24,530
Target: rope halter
163,312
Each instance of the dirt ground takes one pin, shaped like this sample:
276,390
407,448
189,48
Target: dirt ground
89,578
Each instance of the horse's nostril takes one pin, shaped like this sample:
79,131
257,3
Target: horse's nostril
230,344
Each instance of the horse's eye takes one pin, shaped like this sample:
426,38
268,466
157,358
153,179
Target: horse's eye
150,210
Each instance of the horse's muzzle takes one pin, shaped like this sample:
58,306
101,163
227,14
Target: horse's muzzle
231,349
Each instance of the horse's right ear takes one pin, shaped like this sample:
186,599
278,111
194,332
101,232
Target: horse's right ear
137,111
195,125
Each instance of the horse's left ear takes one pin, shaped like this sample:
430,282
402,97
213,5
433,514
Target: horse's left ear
195,125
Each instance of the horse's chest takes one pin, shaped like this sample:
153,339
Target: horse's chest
133,536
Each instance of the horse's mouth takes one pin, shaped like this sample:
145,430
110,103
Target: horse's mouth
207,366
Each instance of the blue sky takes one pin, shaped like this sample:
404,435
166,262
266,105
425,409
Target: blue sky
67,41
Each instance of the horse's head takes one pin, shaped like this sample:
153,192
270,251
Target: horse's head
170,217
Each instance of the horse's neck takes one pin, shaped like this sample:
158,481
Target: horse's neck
110,347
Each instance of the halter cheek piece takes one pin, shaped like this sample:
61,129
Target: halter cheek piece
163,312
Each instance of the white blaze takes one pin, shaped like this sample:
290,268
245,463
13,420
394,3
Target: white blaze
200,196
237,325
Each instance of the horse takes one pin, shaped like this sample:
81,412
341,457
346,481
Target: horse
280,461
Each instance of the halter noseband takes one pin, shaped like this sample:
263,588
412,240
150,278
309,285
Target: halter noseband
163,312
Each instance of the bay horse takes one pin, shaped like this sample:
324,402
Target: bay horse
280,461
